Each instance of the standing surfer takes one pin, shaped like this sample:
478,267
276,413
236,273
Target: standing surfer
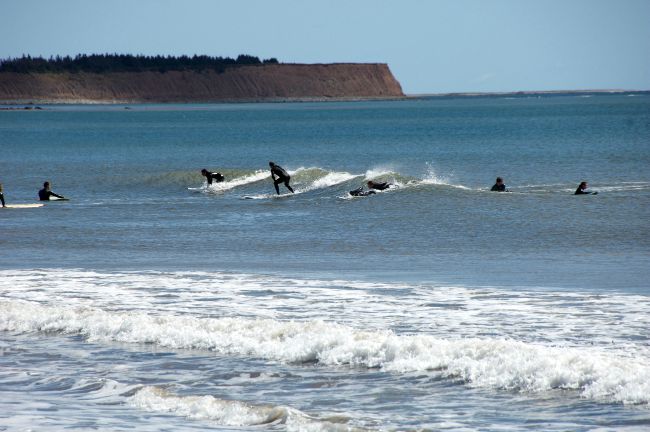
282,177
2,197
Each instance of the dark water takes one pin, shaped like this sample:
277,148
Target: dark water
434,304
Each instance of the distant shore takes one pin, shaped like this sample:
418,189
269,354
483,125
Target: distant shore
35,105
527,93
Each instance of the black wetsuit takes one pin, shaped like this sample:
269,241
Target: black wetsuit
217,177
45,194
2,198
360,192
379,186
282,177
498,187
581,191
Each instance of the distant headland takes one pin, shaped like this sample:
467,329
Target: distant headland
118,78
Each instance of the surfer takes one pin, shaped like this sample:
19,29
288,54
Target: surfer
583,189
217,177
499,186
378,186
2,196
360,192
282,177
45,193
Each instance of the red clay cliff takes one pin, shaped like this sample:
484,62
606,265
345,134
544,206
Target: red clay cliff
245,83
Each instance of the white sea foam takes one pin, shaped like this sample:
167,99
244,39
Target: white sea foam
329,179
432,178
483,362
223,412
227,412
332,179
376,172
231,184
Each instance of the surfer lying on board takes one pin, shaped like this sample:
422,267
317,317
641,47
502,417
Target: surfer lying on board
2,197
360,192
499,186
45,193
217,177
282,177
583,189
378,186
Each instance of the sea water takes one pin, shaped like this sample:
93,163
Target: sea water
153,301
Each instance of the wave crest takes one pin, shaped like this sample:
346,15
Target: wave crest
494,363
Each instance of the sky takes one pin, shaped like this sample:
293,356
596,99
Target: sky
431,46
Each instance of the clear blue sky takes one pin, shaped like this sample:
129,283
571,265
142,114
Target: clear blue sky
432,46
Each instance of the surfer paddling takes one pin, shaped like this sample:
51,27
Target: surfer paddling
210,176
360,192
45,194
378,185
583,189
499,186
282,177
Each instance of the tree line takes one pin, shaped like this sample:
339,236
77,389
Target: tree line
99,63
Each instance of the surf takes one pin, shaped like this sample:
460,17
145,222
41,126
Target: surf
497,363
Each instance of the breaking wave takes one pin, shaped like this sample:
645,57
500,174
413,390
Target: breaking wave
502,363
243,180
229,412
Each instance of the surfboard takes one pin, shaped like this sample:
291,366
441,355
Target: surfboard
24,205
269,196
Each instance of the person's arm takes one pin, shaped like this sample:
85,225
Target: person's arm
209,178
57,195
272,174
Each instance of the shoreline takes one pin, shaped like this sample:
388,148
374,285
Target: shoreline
33,104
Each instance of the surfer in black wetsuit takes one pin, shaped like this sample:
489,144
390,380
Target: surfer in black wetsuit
582,189
2,197
360,192
378,186
217,177
45,193
282,177
499,186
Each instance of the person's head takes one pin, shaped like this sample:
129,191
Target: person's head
370,183
583,185
46,185
499,180
271,164
204,172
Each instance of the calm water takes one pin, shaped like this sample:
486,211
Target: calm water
150,300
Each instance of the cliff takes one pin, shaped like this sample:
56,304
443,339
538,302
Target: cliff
243,83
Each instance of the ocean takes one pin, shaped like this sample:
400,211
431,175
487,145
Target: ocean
152,301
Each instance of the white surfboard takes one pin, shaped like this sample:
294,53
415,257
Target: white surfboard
24,205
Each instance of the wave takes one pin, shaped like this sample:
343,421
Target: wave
502,363
231,184
565,188
172,178
431,178
230,412
309,179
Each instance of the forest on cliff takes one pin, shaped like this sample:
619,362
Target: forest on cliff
102,63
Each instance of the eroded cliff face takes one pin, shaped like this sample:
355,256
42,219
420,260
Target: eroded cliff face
254,83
